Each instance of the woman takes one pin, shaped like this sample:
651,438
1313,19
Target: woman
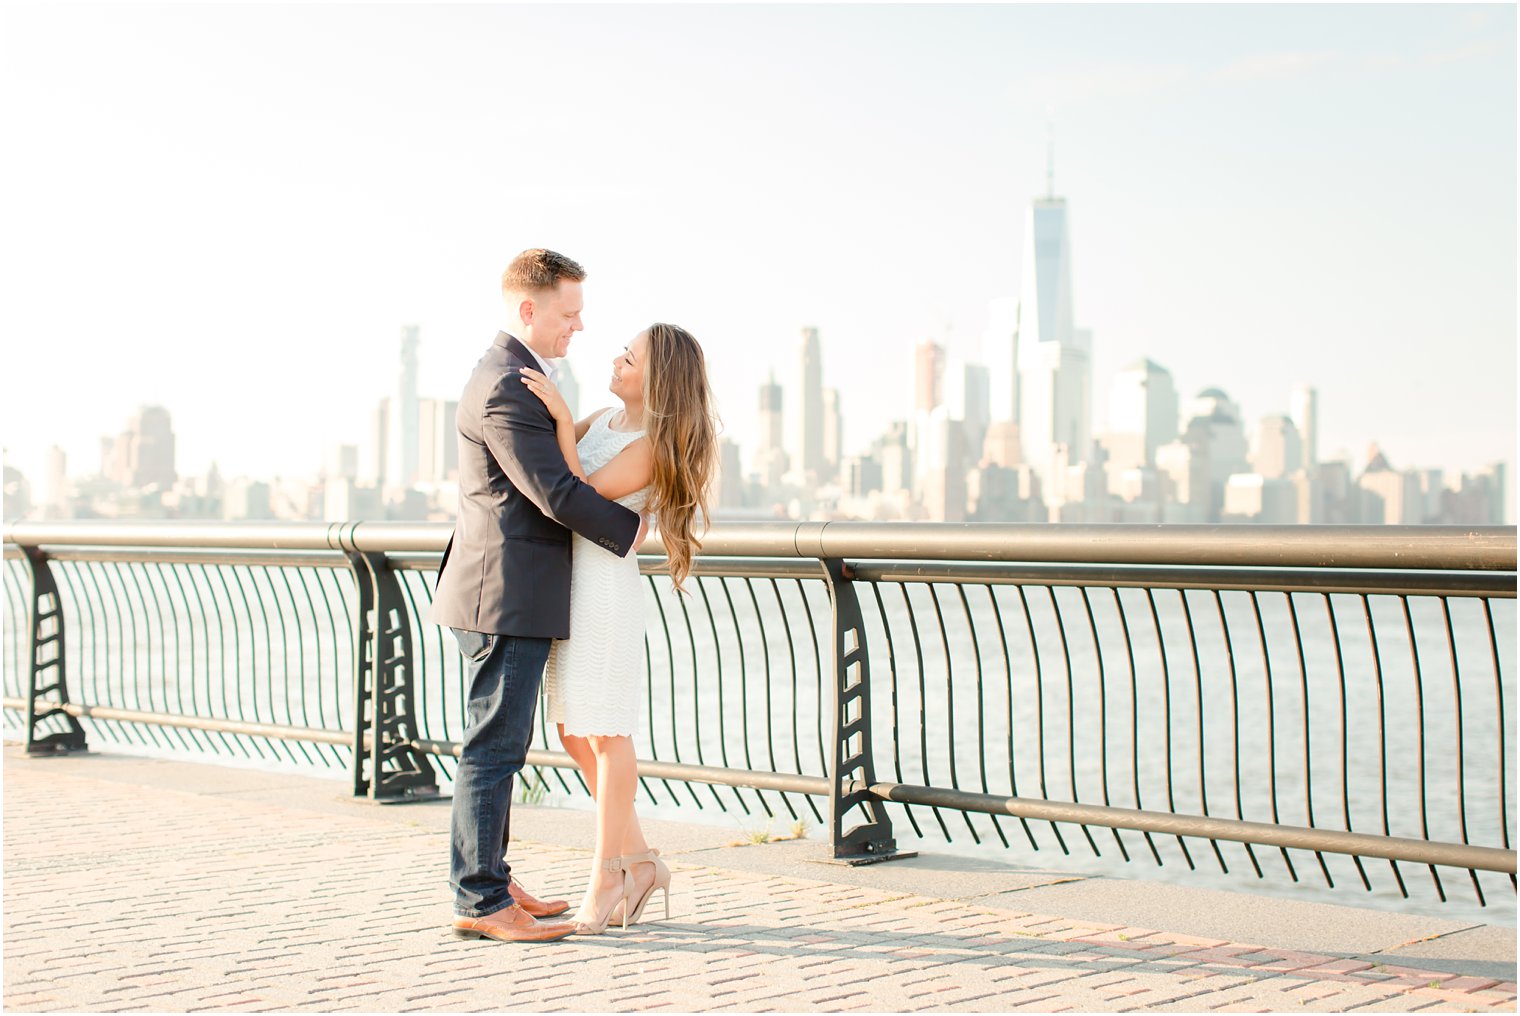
658,454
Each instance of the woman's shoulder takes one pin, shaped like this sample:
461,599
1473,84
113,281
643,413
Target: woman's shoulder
600,414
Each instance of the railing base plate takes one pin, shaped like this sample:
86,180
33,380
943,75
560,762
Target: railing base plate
858,860
413,796
54,750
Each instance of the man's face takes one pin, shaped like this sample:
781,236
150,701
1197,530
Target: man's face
556,317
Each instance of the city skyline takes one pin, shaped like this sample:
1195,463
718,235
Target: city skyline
1327,191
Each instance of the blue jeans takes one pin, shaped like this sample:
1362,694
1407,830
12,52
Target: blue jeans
502,673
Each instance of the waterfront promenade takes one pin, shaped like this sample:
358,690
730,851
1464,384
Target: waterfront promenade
135,884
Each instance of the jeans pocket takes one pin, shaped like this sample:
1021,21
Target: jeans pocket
475,645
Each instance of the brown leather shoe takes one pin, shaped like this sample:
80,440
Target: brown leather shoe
511,924
535,906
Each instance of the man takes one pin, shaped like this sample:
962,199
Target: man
504,584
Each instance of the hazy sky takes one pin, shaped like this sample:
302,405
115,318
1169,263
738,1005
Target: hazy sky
232,210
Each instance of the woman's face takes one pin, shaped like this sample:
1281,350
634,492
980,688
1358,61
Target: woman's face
628,370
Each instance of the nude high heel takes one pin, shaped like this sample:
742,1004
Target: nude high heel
600,926
635,907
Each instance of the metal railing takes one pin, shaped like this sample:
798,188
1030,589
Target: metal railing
1260,699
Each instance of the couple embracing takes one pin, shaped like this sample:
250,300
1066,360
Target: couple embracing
540,583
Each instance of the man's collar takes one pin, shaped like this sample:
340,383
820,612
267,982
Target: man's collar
544,366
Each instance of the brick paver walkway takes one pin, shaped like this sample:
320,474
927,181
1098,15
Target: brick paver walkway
122,898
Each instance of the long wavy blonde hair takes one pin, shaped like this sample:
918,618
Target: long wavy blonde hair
683,435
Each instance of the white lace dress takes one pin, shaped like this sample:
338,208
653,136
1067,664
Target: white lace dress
595,679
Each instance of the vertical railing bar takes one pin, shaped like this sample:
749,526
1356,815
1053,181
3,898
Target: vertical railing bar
15,610
1229,653
221,658
340,701
1203,782
295,612
200,738
1456,691
268,630
697,732
765,685
923,708
1377,671
150,597
1013,783
1340,671
944,639
712,626
1071,706
886,627
981,704
1493,646
279,614
253,657
124,617
126,597
654,752
791,657
307,576
818,670
696,688
670,652
1266,662
406,581
237,664
1166,709
749,763
312,752
1134,718
649,678
1303,681
1092,629
1419,702
97,575
1039,707
65,571
445,655
177,571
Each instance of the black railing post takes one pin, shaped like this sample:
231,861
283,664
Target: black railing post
47,671
851,769
387,767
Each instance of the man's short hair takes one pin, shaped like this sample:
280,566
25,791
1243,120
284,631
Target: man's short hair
535,270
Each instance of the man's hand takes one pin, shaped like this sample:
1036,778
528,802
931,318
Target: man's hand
643,531
541,386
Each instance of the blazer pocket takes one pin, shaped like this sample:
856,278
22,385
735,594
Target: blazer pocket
475,645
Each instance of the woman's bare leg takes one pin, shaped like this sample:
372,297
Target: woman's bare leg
579,749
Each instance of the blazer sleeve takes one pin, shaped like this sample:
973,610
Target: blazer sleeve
520,435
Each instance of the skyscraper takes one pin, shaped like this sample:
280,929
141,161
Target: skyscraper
770,460
967,397
402,435
150,448
1279,450
1055,371
810,425
1000,349
1303,406
928,376
1143,404
833,431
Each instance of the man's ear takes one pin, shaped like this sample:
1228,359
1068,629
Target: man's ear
525,310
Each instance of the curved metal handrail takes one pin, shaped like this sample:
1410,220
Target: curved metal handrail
1482,548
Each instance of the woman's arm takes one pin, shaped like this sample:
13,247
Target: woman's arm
566,431
630,470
